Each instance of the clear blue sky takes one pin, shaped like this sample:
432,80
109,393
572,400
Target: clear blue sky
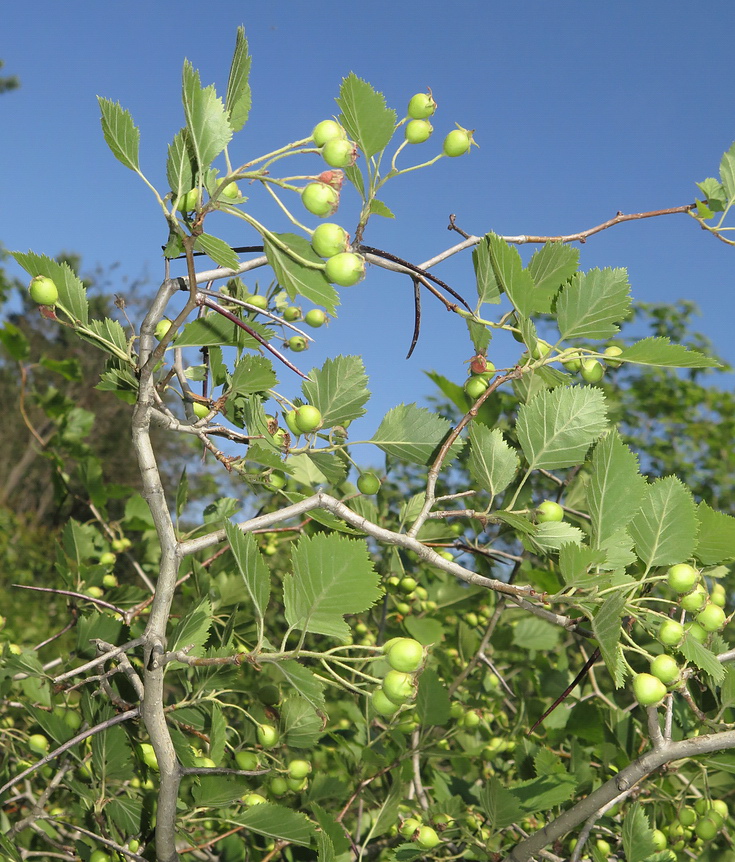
580,109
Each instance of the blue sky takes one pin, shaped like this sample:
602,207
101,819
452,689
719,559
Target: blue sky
580,110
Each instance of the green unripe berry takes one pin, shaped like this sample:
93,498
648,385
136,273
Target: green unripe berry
298,343
706,828
200,410
368,483
257,300
418,131
682,577
592,371
339,153
292,314
687,816
659,841
162,328
230,191
267,735
279,786
100,856
247,760
290,419
308,419
695,600
251,799
188,201
665,668
671,633
427,838
327,130
315,317
711,618
457,143
345,269
610,354
718,596
299,769
696,631
398,687
382,704
148,755
108,559
405,654
573,363
475,386
320,199
276,481
329,239
421,106
648,690
605,848
409,827
549,511
38,743
43,290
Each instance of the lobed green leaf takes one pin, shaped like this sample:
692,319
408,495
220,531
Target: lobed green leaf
365,116
338,390
664,528
593,304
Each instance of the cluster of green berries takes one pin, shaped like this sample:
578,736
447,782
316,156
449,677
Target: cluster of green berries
592,370
651,688
478,381
406,659
418,129
692,825
315,317
303,420
407,594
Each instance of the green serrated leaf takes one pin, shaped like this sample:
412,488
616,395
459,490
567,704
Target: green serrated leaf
192,629
532,633
218,250
219,790
301,725
557,427
487,285
714,194
660,351
510,274
664,529
332,576
492,463
15,342
432,699
276,821
616,488
703,658
303,681
330,465
607,626
252,568
299,280
121,134
542,793
727,172
181,164
520,523
500,804
551,266
593,304
214,329
414,434
379,208
638,841
72,293
338,390
575,561
716,538
238,98
121,382
552,535
253,374
365,116
206,119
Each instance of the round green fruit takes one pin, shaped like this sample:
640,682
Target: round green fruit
38,743
329,239
610,354
299,769
687,816
382,704
315,317
368,483
292,314
457,143
549,511
475,386
421,106
290,419
605,848
427,838
540,350
100,856
711,618
682,577
200,410
276,481
94,592
671,633
409,827
267,735
297,343
418,131
345,269
706,828
695,600
257,300
279,786
648,689
308,419
405,654
110,581
253,799
592,371
247,760
407,585
320,199
188,201
398,687
718,596
665,668
162,328
327,130
148,755
107,559
43,290
339,153
573,363
230,191
660,841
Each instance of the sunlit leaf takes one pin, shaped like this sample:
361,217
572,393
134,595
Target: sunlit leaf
665,527
365,116
121,134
